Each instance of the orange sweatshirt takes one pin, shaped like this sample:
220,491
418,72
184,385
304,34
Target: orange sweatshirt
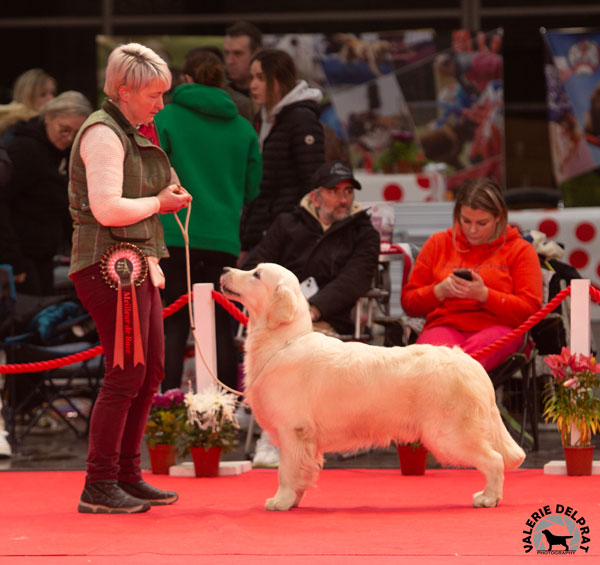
509,267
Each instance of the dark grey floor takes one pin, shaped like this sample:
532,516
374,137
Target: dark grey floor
63,450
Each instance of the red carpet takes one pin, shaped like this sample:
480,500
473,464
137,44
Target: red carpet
352,516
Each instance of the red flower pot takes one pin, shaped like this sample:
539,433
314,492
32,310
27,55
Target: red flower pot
206,461
579,459
162,456
412,460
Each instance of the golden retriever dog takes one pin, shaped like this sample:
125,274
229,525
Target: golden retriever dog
315,394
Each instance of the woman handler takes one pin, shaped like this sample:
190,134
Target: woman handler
119,182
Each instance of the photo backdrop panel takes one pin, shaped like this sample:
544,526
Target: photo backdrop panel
573,93
401,105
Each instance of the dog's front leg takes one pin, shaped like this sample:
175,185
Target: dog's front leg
289,492
298,469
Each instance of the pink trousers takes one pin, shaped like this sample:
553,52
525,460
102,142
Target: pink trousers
470,342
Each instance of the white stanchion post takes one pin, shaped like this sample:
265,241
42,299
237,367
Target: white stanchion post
580,326
580,316
204,319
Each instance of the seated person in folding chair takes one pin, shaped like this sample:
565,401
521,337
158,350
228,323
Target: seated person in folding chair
329,243
503,284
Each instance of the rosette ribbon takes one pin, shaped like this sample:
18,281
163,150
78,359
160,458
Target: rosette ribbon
124,266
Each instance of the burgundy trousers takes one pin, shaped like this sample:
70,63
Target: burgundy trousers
121,410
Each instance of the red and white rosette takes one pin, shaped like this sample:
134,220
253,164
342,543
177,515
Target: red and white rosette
124,266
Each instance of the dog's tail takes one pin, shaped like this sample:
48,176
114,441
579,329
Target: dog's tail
504,444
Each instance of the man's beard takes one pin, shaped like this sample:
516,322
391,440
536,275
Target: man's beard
336,215
341,213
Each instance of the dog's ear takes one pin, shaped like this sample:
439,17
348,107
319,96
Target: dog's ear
282,308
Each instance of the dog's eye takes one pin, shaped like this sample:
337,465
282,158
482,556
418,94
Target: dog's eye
256,274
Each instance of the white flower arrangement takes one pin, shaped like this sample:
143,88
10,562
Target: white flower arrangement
211,419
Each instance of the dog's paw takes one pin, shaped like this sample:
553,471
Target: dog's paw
278,504
481,500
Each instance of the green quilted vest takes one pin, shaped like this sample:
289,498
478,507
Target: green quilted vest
146,171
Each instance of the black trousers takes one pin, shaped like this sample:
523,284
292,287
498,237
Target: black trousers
205,267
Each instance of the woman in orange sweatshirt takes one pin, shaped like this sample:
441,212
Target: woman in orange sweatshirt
505,286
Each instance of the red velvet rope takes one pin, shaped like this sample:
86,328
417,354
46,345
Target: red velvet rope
177,305
595,294
52,363
230,307
524,327
98,350
243,319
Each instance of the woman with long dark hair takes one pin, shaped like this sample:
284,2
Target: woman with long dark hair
291,140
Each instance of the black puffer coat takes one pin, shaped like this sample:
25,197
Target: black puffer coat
291,153
34,204
342,259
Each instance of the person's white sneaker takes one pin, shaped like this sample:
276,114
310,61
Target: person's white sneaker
243,417
5,450
266,454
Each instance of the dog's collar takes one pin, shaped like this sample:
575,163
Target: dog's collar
285,345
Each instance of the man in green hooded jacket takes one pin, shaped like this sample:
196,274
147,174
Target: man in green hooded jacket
216,155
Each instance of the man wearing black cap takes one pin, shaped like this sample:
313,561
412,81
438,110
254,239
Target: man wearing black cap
329,243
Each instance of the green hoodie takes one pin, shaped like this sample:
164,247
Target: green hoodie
216,156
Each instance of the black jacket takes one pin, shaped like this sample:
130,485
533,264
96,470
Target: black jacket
34,205
342,260
291,153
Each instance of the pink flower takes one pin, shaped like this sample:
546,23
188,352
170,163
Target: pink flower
580,363
170,399
559,363
565,356
572,382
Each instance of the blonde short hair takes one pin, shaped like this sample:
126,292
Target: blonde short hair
29,86
67,103
135,66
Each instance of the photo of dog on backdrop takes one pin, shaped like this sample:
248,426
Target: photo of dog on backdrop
315,394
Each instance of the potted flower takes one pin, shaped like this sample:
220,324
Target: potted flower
572,403
163,429
402,155
210,428
413,458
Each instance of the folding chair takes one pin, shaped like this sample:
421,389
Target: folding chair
520,366
398,330
30,396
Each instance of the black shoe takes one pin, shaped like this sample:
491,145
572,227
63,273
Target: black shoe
143,491
106,497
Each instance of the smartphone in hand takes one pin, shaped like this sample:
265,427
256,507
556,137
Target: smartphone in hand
463,274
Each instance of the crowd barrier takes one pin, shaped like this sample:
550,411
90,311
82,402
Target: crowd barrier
580,321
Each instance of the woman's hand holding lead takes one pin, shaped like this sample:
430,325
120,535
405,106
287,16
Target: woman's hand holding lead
173,198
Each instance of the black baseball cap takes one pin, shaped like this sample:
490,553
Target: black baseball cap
329,174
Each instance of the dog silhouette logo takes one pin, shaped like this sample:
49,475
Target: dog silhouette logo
553,539
556,529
